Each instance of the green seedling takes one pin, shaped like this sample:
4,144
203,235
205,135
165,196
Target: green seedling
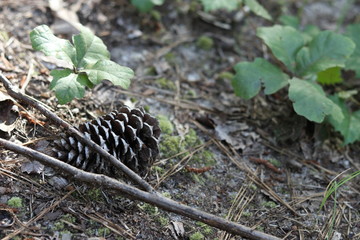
88,60
312,59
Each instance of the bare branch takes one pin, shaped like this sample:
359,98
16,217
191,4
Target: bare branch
15,93
137,194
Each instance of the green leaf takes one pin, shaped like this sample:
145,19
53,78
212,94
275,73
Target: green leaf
42,39
143,5
310,101
290,20
213,5
284,42
256,8
89,48
326,50
349,127
353,63
330,76
109,70
250,75
68,85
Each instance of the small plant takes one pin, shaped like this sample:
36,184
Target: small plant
88,59
310,59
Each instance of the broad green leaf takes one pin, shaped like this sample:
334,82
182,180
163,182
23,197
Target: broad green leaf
143,5
109,70
42,39
349,127
353,63
309,100
256,8
284,42
290,20
251,75
326,50
330,76
89,48
213,5
67,85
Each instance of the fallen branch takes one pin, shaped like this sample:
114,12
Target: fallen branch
15,93
137,194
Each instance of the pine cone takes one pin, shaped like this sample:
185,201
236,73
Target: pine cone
130,135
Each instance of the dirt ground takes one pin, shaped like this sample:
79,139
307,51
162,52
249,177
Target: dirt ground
213,143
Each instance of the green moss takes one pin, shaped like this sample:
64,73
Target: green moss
205,42
165,83
170,145
269,204
103,231
94,194
147,108
226,75
191,139
166,194
15,202
190,94
148,208
164,221
59,225
158,169
69,218
275,162
133,100
165,125
205,158
206,229
197,236
246,214
197,178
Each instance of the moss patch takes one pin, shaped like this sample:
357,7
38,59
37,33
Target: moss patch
205,42
165,83
15,202
197,236
170,145
165,125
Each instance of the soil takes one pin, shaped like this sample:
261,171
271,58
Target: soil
224,141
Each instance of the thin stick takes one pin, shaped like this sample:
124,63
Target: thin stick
137,194
15,93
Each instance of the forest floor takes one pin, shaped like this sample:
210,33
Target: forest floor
183,59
